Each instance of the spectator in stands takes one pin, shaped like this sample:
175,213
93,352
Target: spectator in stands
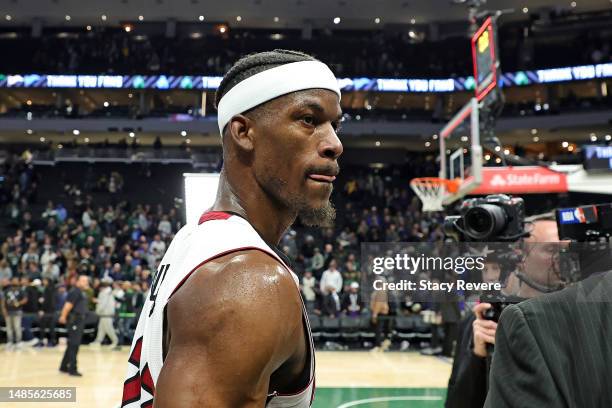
5,270
32,271
47,315
31,255
138,299
51,272
105,309
127,313
308,290
331,306
351,301
165,227
15,298
331,278
379,306
157,248
30,308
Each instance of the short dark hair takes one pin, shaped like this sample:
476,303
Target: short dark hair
255,63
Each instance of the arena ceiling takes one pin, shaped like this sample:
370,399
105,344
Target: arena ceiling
273,13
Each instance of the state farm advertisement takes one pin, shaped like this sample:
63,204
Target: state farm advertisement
521,180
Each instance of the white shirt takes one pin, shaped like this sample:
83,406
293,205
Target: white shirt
333,279
308,285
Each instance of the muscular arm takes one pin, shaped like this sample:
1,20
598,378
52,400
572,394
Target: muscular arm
232,325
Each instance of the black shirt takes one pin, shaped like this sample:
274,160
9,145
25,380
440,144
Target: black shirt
13,296
78,300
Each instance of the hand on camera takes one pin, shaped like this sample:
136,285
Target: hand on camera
484,330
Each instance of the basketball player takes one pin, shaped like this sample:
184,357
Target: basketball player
224,325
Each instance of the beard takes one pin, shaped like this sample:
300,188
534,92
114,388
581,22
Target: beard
318,217
322,216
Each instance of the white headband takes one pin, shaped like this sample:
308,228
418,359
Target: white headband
272,83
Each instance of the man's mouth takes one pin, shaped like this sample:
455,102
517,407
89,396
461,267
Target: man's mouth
322,178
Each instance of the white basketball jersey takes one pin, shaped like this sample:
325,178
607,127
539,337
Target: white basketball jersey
217,234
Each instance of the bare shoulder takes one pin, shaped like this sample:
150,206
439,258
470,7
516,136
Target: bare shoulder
246,289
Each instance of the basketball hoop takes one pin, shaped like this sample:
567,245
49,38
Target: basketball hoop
432,190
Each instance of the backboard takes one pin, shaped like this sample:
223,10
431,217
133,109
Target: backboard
461,151
485,58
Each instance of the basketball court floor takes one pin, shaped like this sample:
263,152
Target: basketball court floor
344,379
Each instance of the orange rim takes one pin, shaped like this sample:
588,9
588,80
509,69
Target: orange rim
452,186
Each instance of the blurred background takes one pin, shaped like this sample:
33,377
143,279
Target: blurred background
105,105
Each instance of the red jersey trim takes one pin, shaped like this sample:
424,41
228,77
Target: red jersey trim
213,215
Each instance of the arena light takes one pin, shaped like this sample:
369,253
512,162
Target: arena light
29,131
525,10
8,17
497,148
29,102
435,137
487,157
608,138
536,139
127,28
222,29
60,146
201,18
68,18
140,18
132,134
76,132
238,18
593,138
103,17
183,133
570,148
276,19
42,139
564,144
498,160
573,4
106,104
412,21
200,194
337,20
188,141
88,28
427,144
534,131
377,20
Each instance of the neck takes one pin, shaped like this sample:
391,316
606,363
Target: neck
249,201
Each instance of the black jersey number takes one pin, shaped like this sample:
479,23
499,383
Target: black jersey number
159,278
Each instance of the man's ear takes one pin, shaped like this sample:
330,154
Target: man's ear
240,130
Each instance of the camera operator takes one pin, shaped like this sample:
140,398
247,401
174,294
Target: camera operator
554,350
468,382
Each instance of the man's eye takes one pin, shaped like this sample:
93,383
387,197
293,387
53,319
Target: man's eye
309,120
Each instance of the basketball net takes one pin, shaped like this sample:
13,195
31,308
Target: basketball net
432,190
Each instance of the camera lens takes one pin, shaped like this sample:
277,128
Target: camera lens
484,221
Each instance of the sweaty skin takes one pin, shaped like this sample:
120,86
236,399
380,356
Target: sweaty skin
235,329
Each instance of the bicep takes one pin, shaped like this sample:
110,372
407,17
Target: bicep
194,375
